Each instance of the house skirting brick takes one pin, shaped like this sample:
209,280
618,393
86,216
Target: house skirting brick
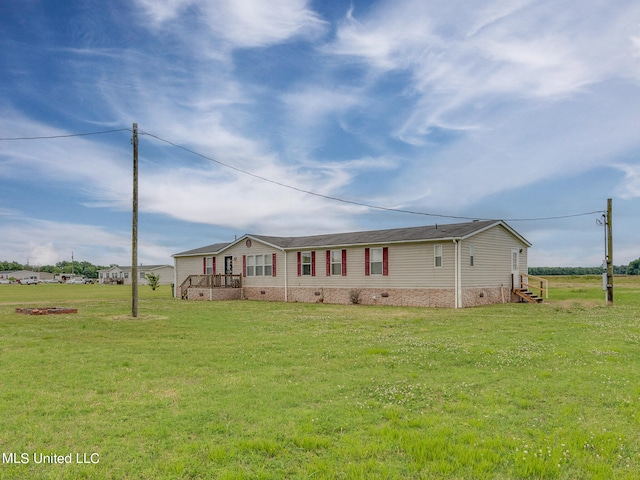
269,294
215,294
418,297
475,297
410,297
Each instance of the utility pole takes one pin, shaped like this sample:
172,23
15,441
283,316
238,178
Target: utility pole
134,227
609,253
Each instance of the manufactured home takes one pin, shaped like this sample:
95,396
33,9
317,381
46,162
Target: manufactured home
457,265
122,275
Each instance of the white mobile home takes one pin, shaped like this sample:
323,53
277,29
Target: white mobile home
122,275
456,265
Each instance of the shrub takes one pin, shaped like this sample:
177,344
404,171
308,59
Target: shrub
354,296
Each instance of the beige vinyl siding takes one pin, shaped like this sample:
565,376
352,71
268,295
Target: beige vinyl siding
492,262
186,266
257,248
410,265
166,275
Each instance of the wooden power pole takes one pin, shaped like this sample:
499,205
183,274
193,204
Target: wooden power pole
609,253
134,227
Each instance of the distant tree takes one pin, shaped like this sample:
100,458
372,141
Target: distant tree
545,271
634,267
153,279
11,266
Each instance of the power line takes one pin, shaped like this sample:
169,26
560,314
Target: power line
353,202
66,136
297,189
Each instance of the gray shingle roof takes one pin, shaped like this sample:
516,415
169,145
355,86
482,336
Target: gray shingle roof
393,235
209,249
128,267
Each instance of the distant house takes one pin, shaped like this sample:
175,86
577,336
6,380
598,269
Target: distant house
457,265
20,274
122,275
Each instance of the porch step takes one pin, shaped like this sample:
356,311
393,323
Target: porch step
527,296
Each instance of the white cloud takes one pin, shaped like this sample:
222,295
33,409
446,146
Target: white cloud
242,23
161,11
462,55
43,242
185,188
313,104
630,186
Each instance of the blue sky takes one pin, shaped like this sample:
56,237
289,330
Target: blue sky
506,109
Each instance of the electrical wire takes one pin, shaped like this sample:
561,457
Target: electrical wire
353,202
66,136
297,189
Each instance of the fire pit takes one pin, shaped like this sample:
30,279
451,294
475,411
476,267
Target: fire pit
46,310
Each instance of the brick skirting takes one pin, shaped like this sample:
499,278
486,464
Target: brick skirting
410,297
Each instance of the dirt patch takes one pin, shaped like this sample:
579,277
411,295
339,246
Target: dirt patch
46,311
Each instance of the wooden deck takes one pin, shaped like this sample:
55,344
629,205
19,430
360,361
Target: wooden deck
210,281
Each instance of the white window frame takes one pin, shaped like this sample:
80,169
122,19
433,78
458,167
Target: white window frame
208,266
336,262
437,256
259,266
251,266
305,263
472,256
268,265
375,261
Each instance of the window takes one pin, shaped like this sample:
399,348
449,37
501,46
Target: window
437,255
259,265
208,266
336,262
471,256
268,267
251,265
375,261
306,263
142,275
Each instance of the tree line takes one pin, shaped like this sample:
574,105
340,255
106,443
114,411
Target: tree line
632,269
86,269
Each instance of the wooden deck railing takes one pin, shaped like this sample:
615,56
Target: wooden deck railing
210,281
526,281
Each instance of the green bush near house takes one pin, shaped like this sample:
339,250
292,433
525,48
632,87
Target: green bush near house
153,279
272,390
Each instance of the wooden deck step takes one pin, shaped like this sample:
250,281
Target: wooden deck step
527,296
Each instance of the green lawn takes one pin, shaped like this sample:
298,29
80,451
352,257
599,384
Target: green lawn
270,390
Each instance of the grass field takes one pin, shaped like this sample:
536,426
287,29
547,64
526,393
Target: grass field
243,389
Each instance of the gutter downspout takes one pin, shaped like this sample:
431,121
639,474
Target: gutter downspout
458,272
460,303
455,273
286,281
175,278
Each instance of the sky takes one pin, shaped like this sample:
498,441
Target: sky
518,110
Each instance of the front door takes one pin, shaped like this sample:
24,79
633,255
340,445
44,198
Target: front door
515,267
228,270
